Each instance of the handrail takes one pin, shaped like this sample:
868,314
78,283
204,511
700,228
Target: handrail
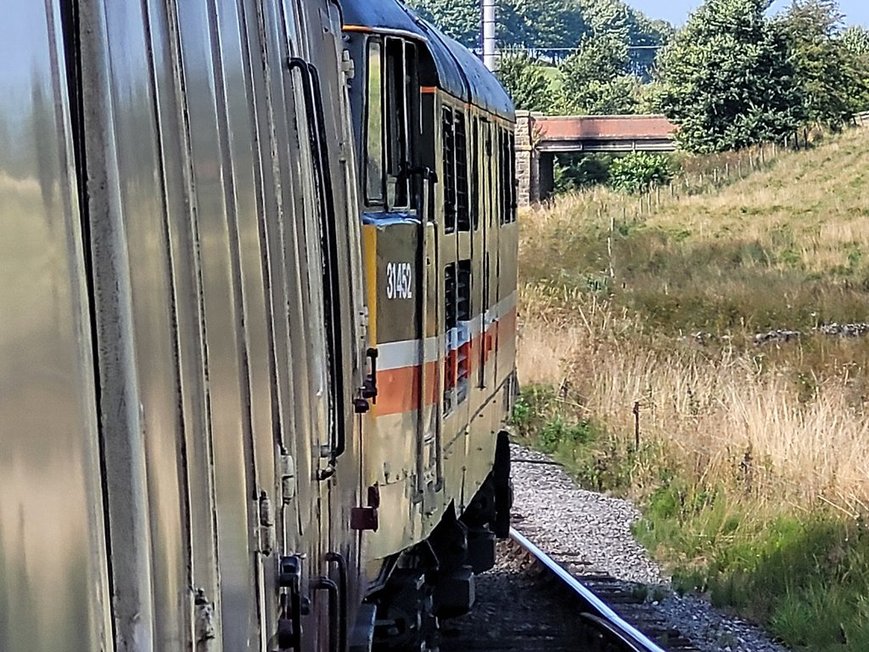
343,588
314,112
326,584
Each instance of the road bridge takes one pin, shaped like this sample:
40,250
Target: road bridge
539,138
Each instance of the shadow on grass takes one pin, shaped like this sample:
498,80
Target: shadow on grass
806,577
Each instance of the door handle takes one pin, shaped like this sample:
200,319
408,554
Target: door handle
369,386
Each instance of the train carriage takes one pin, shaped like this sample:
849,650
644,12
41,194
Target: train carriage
177,208
257,325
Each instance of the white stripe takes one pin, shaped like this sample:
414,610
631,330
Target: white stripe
406,353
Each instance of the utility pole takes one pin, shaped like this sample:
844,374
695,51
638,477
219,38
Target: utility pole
490,45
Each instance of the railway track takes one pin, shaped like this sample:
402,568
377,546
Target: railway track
604,628
535,601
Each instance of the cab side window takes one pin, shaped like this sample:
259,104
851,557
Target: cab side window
392,100
374,154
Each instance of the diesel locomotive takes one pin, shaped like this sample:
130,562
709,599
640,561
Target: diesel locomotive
257,325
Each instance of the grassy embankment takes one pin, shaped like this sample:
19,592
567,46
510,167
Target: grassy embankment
753,459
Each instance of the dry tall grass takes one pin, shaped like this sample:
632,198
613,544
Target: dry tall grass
732,423
607,306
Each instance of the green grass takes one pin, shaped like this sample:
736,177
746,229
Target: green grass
786,246
804,575
543,419
751,465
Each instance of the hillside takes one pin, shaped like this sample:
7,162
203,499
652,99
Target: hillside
784,247
707,355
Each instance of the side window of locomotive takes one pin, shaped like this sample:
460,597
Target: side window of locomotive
374,128
489,181
503,180
506,179
398,83
449,156
475,173
511,154
463,208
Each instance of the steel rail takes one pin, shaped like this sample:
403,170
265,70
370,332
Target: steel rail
596,612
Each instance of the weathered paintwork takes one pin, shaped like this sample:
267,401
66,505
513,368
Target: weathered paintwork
425,451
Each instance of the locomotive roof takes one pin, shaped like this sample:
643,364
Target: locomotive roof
460,72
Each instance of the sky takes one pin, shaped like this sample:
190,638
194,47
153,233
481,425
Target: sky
676,11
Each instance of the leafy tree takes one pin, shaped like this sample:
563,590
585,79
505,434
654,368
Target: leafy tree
541,24
640,171
457,18
827,72
597,78
727,80
855,40
574,172
544,24
615,19
526,80
530,23
602,30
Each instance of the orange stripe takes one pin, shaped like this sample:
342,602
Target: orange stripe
428,90
398,389
358,28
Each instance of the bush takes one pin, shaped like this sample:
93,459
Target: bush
638,172
575,172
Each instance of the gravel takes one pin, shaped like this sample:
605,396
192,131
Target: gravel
501,621
593,532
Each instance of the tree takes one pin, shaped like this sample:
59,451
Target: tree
727,80
603,76
596,79
827,72
631,27
457,18
541,24
526,80
855,40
